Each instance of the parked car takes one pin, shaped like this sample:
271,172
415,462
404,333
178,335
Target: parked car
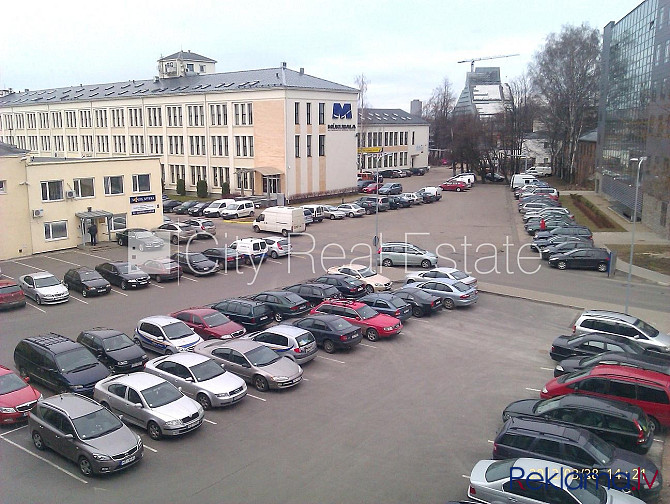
307,215
398,201
372,175
333,212
123,274
278,247
150,402
381,203
195,263
215,208
175,232
405,254
539,243
348,286
563,247
284,304
254,362
427,197
388,304
331,331
58,363
316,212
589,258
209,323
81,430
373,281
544,212
452,292
204,227
114,349
373,324
361,184
314,293
238,209
197,209
580,231
87,281
165,335
17,398
11,295
441,272
535,225
412,198
619,423
454,185
392,173
390,188
139,239
170,205
660,364
494,177
289,341
352,210
183,208
419,170
252,250
368,206
199,378
162,269
44,288
251,314
587,344
422,302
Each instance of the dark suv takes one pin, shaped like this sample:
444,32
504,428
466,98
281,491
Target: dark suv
59,363
251,314
87,281
284,304
114,349
348,286
589,258
315,292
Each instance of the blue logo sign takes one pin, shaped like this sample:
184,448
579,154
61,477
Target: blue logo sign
143,199
341,110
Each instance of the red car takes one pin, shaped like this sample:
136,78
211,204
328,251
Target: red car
11,295
454,185
17,398
373,323
210,323
371,189
649,390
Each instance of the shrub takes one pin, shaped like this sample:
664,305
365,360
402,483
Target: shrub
592,212
181,187
201,189
225,189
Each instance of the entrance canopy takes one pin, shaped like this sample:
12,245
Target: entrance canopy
94,214
268,170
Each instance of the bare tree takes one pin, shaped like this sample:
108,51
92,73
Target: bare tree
362,84
437,112
565,73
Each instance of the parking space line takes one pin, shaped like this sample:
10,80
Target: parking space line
154,285
328,358
13,430
62,260
256,397
533,389
546,368
273,261
369,346
119,292
305,379
150,448
92,255
489,441
658,440
465,476
44,460
77,299
421,321
36,307
298,257
209,421
187,278
27,265
7,276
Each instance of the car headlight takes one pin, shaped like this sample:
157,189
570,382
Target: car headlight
280,378
379,285
77,387
101,457
139,442
7,410
388,328
182,349
225,394
173,423
559,368
133,280
544,390
122,363
40,397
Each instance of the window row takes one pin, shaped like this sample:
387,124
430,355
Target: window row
53,190
219,174
384,139
308,145
308,113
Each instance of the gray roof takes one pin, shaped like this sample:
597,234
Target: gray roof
7,150
268,78
591,136
187,55
388,116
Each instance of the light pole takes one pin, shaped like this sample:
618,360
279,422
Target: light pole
632,239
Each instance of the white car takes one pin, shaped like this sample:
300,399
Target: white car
278,247
413,198
333,212
352,209
441,272
374,282
165,335
44,288
199,378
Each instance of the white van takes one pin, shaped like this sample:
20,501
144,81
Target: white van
539,171
237,209
215,208
282,220
316,211
519,180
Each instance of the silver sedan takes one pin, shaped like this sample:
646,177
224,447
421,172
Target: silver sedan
44,288
332,212
452,292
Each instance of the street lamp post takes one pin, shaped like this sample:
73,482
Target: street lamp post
632,239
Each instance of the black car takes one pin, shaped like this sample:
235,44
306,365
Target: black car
86,281
418,170
59,364
331,331
574,230
622,424
284,304
370,206
114,349
426,196
589,258
422,302
315,293
396,202
195,263
349,287
389,304
196,210
390,188
183,208
139,239
539,243
656,362
225,257
560,248
592,344
494,177
390,173
251,314
170,205
123,274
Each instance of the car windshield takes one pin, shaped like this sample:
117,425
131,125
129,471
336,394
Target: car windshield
117,342
570,377
197,257
352,282
11,383
587,494
75,360
340,324
366,312
602,450
650,331
89,275
261,356
366,272
215,319
161,394
397,302
206,370
128,268
232,206
293,298
458,275
144,234
96,424
49,281
304,339
499,470
177,330
548,405
460,286
9,289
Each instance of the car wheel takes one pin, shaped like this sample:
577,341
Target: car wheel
448,304
247,261
154,431
38,441
284,232
38,299
562,265
417,311
124,285
257,229
372,334
278,317
387,262
85,466
329,346
261,383
204,401
369,289
656,424
425,264
251,213
351,214
175,240
368,211
120,242
458,189
332,217
168,352
84,292
274,254
158,279
602,267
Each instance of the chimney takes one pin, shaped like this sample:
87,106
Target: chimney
26,90
283,64
302,71
283,73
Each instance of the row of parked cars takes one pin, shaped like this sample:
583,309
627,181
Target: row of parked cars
593,423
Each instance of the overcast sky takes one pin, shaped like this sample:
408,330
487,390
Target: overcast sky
405,48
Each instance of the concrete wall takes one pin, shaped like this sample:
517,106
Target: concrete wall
654,214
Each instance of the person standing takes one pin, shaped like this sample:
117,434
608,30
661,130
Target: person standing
543,224
93,231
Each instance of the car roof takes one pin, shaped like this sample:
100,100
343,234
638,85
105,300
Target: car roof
54,342
75,405
187,359
140,379
629,372
350,303
545,427
379,295
160,320
103,332
336,275
610,406
41,274
241,345
196,311
599,336
609,314
5,282
285,330
447,281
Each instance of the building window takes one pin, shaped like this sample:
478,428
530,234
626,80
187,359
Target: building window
154,117
141,183
72,143
309,145
202,68
113,185
118,119
118,222
3,187
413,137
322,145
55,230
135,117
57,119
84,187
174,116
309,113
70,119
52,190
100,118
103,143
59,144
322,113
219,115
243,114
189,67
196,115
297,112
119,144
155,144
136,144
297,146
32,124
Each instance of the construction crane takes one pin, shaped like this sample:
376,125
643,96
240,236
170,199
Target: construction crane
472,61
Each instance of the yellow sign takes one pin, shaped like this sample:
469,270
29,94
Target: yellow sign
369,150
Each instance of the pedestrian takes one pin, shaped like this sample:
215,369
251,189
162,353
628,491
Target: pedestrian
543,224
93,231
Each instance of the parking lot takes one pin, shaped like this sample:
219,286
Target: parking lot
397,420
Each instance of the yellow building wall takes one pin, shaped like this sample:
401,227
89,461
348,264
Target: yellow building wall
14,210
